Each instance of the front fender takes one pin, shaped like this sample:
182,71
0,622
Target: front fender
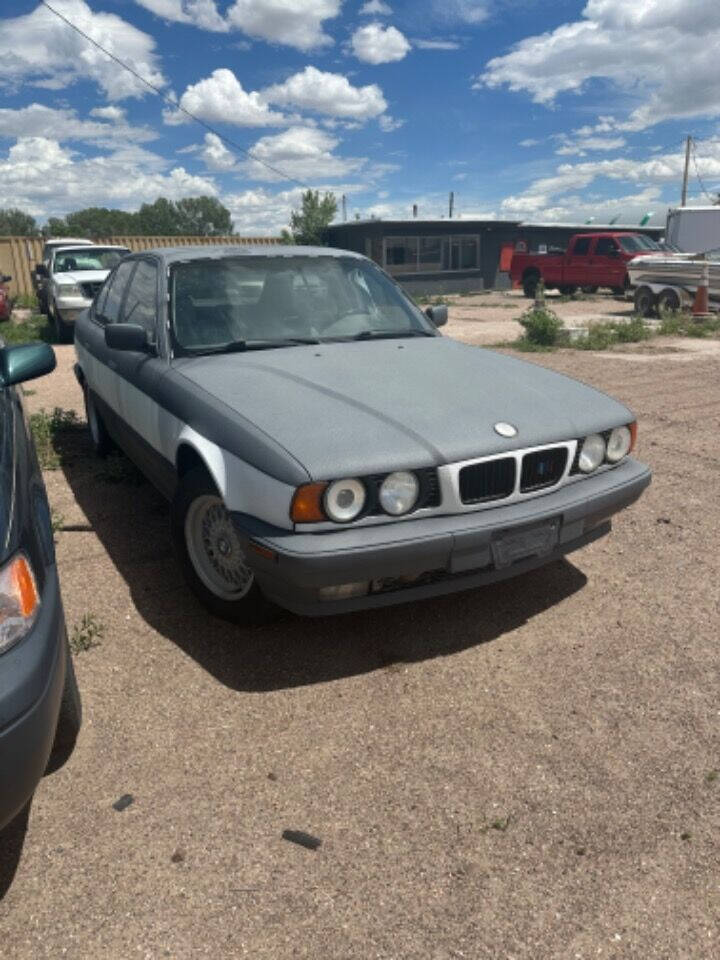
244,488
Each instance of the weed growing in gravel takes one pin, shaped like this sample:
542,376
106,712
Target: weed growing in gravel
603,335
45,428
30,331
677,324
543,327
27,301
57,520
86,634
428,301
712,776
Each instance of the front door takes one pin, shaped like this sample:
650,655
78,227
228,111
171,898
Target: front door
575,273
607,267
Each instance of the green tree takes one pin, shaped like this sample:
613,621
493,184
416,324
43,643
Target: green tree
159,219
308,225
17,223
204,217
96,222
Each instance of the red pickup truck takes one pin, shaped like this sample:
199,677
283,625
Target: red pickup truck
591,260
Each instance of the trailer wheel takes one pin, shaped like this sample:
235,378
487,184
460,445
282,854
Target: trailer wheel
644,302
567,290
668,301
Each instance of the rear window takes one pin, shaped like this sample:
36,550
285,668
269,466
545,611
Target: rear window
581,246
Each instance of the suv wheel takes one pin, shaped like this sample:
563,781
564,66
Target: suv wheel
210,553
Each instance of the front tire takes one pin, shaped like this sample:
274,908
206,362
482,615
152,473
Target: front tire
70,717
63,331
211,555
644,301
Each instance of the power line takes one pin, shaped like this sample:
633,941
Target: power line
704,189
163,96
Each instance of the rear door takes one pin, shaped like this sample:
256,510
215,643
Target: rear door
607,267
576,263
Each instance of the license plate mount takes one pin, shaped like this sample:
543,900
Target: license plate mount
520,543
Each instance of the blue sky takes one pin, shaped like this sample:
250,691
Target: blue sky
544,111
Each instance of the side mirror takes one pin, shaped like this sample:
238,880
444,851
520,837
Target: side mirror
41,270
437,315
25,362
126,336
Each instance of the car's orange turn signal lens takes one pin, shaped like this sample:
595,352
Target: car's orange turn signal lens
306,506
18,577
633,435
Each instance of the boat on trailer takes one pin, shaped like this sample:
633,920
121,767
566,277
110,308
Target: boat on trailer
670,282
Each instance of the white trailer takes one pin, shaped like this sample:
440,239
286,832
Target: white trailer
693,229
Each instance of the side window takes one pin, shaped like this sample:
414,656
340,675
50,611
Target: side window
109,303
141,301
605,246
582,245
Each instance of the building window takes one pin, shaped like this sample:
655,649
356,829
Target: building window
401,254
430,254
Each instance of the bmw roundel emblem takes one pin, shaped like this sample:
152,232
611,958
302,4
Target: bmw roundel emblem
505,429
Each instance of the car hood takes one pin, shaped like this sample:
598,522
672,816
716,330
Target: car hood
365,407
80,276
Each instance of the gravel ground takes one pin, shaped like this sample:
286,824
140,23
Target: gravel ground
525,771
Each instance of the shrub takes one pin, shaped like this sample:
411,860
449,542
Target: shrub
543,327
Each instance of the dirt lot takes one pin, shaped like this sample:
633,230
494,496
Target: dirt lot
526,771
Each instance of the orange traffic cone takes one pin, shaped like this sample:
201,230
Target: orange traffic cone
701,303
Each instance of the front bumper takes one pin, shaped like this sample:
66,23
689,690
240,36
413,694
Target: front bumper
446,553
32,675
70,310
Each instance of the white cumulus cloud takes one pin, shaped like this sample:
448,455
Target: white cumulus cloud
61,124
295,23
304,153
199,13
375,8
378,44
220,98
328,93
39,49
662,52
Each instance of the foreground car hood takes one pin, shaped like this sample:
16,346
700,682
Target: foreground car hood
364,407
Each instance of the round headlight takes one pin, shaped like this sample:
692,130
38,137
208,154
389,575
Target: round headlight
592,453
344,499
619,444
399,493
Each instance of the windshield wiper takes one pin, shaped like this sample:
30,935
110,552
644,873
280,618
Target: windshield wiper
240,346
390,334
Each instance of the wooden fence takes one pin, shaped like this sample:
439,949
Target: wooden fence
18,255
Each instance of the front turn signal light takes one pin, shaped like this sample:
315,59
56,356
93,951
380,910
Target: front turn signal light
307,504
19,600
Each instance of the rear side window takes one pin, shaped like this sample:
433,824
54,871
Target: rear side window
141,301
605,245
110,300
581,246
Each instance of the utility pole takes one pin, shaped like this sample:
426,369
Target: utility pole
344,206
685,174
451,204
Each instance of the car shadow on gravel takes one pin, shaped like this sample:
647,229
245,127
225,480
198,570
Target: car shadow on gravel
12,840
131,520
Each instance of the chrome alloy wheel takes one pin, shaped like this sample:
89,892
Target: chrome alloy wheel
214,549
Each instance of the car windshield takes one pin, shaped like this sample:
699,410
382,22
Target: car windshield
637,243
88,258
261,302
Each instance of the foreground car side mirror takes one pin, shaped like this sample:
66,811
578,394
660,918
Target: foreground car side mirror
25,362
437,315
126,336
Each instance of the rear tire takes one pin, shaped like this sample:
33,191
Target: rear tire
567,290
99,437
530,285
210,554
589,289
644,301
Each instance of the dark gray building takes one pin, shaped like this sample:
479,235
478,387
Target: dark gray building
453,256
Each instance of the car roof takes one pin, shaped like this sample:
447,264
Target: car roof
97,246
226,251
